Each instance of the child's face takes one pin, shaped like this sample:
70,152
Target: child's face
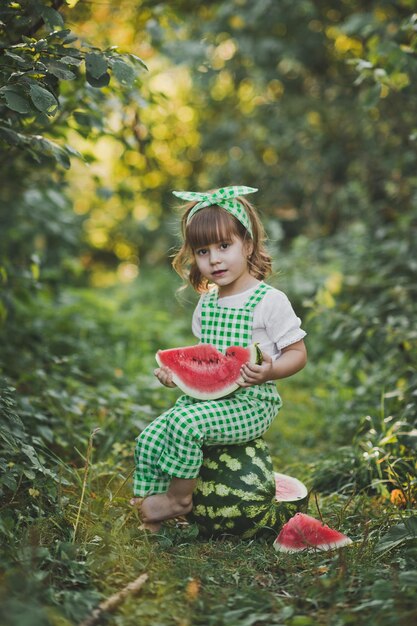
225,264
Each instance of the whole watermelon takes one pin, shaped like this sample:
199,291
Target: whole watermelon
235,493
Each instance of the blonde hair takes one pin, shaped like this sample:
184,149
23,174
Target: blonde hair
214,224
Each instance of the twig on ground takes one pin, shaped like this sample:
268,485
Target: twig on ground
113,602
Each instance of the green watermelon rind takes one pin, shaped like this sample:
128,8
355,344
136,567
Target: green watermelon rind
243,505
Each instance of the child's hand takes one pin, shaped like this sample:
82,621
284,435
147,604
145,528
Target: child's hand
164,375
252,374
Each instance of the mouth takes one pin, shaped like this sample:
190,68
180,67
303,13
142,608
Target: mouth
218,273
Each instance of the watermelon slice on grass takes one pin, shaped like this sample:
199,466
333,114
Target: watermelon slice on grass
203,372
303,532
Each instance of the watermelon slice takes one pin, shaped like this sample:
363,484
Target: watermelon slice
203,372
289,489
302,532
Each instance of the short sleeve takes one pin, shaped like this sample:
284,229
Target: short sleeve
282,325
196,321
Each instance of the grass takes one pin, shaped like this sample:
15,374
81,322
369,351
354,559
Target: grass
90,546
215,582
227,582
297,434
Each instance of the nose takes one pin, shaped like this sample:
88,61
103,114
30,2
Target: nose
214,257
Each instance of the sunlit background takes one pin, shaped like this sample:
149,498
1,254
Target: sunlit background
105,108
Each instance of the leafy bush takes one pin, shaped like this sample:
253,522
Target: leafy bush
90,367
365,341
51,89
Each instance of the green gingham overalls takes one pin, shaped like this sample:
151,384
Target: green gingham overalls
171,444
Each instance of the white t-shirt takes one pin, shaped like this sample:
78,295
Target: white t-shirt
275,324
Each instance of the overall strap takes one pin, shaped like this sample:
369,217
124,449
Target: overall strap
224,326
257,295
210,298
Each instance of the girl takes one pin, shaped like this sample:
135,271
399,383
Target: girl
224,258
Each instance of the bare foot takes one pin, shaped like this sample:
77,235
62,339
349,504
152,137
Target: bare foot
164,506
153,527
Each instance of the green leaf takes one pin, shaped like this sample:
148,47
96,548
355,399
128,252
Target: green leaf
123,72
70,60
398,534
84,118
15,57
96,65
11,137
53,20
9,481
103,81
408,578
64,35
411,525
60,70
41,44
69,37
138,60
46,148
39,147
15,101
399,80
43,100
32,455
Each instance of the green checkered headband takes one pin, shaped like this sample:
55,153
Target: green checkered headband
225,197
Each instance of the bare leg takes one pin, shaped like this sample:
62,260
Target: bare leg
178,500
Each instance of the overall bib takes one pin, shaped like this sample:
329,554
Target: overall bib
171,444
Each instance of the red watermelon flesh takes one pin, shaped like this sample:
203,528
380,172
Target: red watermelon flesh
203,372
289,489
302,532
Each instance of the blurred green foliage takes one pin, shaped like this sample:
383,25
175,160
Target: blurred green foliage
314,103
51,88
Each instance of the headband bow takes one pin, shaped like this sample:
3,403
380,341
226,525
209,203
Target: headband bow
226,197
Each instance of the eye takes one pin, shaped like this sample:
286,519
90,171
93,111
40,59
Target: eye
224,245
201,251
